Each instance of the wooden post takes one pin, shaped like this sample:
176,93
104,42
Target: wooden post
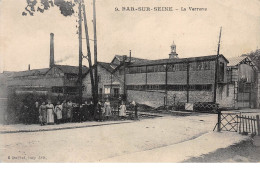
188,81
219,120
243,124
237,122
166,84
258,125
80,55
88,50
216,70
249,127
252,127
255,126
240,123
246,123
124,60
95,58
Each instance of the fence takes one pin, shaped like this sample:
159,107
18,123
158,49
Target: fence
198,106
234,122
248,124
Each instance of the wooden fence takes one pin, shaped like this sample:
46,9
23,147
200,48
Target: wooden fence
248,124
234,122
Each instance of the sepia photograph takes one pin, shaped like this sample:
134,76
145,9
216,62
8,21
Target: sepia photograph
130,81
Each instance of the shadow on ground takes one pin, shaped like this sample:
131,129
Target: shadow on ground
243,152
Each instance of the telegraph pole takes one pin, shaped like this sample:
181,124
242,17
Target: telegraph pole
95,55
124,68
216,69
166,85
80,54
88,50
188,81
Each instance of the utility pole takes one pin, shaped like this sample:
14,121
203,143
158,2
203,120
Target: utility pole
188,81
88,50
80,54
124,59
95,56
216,69
166,85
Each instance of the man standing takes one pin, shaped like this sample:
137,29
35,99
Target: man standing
135,109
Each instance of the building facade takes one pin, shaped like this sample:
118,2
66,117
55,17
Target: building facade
57,80
168,81
165,81
243,82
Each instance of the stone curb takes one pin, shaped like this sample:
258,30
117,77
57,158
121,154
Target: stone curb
62,128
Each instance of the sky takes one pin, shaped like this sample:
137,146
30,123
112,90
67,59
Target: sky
26,39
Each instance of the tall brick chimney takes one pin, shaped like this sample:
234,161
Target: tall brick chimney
51,50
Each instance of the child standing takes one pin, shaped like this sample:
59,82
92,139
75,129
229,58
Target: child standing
58,112
122,110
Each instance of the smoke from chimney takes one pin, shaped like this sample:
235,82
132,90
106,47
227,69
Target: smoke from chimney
51,50
63,59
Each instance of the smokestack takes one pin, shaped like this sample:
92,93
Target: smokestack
130,56
29,67
51,50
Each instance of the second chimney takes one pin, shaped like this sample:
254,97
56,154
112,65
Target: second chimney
51,50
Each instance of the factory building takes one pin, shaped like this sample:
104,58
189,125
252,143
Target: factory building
165,81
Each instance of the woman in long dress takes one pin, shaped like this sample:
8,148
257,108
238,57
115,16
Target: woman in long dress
64,111
107,108
43,114
122,110
69,111
58,112
50,113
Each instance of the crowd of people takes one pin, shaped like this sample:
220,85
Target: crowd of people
67,111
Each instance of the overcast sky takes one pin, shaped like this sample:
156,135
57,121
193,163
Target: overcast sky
25,39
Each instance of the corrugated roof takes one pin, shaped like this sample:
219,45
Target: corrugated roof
71,69
133,59
179,60
37,72
233,61
34,72
108,66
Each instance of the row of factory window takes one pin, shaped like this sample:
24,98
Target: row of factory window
195,66
207,87
68,90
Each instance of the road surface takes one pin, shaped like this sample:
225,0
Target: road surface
101,143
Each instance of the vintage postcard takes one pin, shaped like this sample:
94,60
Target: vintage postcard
129,81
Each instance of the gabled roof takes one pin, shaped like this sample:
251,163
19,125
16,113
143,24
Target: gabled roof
34,72
244,59
120,58
177,60
108,66
37,72
236,60
71,69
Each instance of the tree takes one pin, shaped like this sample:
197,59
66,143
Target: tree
255,56
66,9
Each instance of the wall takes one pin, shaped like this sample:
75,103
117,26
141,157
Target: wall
3,97
175,77
225,95
156,98
105,80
